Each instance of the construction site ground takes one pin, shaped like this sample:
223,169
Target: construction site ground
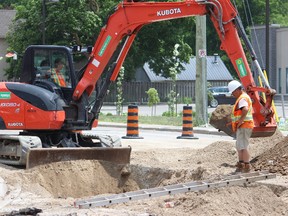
159,159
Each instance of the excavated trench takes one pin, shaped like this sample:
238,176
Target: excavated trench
152,168
80,179
90,178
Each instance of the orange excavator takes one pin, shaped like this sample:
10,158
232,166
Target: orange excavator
51,117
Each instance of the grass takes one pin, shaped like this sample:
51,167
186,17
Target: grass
152,120
161,120
156,120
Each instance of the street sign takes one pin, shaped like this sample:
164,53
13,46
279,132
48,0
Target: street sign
202,53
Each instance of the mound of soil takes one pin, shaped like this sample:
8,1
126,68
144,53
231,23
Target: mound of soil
275,159
81,178
53,188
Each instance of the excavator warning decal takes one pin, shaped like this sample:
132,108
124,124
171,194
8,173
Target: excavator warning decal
241,67
106,42
5,95
95,62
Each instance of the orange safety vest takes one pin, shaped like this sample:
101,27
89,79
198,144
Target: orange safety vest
58,78
236,113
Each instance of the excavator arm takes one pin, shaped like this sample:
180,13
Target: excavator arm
130,16
48,119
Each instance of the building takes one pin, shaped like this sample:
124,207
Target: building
217,72
6,17
278,55
282,61
145,78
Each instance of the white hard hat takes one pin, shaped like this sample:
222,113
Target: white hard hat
233,85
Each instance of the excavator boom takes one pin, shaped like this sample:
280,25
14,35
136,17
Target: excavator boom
130,16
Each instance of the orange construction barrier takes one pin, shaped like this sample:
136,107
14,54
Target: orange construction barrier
187,128
132,123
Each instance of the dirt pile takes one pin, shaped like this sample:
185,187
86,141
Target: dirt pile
54,187
81,178
275,159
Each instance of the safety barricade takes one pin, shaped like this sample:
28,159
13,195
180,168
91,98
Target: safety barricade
187,126
132,123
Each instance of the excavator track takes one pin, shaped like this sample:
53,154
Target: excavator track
14,148
27,151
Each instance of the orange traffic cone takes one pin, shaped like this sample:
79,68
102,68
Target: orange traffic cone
132,123
187,128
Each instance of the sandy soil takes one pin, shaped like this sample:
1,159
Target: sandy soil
53,188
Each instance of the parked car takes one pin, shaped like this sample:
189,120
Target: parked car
221,95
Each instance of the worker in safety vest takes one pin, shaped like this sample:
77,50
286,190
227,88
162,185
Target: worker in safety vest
56,74
242,124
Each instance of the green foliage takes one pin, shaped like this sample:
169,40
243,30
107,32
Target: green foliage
152,120
8,4
70,22
169,114
119,96
67,23
159,52
153,99
209,93
172,96
187,100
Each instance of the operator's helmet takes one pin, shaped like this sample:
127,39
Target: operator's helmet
233,85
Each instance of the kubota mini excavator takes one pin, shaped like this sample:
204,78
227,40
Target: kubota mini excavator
52,115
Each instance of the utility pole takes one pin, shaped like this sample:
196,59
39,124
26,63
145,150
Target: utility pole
43,21
44,18
267,36
201,98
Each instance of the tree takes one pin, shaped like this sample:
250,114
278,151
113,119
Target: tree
119,96
172,96
7,4
67,23
79,22
70,22
153,99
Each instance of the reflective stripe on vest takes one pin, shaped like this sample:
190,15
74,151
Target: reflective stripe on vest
236,113
58,78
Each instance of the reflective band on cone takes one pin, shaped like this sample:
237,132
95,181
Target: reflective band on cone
187,127
132,123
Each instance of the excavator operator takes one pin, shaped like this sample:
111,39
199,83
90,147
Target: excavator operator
56,74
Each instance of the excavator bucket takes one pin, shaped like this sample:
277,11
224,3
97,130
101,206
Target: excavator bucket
40,156
221,120
27,151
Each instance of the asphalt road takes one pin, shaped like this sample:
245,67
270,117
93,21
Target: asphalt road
159,139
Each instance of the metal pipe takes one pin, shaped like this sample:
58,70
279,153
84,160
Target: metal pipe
267,36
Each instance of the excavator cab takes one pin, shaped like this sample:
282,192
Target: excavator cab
39,68
49,126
